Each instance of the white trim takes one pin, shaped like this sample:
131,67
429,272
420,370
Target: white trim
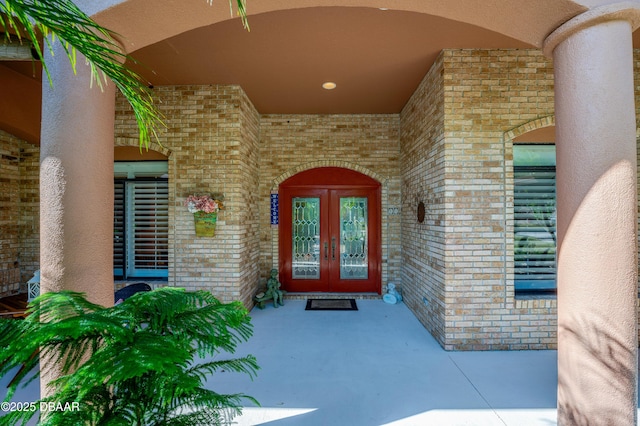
134,169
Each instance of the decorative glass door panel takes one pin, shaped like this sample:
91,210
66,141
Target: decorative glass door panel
330,239
354,241
305,241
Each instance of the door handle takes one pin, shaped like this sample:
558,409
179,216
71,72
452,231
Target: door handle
326,250
333,248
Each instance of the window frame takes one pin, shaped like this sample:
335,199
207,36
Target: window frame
128,174
534,159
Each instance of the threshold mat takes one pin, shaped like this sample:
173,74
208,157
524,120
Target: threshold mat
331,305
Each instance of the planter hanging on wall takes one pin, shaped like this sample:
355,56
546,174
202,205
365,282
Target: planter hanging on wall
205,223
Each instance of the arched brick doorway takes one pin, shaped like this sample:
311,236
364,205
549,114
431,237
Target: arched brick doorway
330,238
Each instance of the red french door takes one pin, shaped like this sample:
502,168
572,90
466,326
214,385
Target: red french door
330,238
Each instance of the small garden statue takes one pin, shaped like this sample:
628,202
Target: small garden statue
273,292
273,288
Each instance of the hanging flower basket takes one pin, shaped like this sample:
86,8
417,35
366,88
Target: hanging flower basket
205,213
205,224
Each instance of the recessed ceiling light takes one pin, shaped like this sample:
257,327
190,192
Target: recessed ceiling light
328,85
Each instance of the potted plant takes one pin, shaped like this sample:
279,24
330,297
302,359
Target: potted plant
205,210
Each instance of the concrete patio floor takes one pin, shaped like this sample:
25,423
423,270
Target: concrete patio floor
379,366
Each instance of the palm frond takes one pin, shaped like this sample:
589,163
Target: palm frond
62,19
223,414
77,32
241,5
247,365
58,306
133,363
195,316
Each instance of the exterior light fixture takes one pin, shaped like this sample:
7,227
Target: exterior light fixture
329,85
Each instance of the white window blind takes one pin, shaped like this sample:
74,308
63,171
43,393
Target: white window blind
118,229
147,228
535,228
141,220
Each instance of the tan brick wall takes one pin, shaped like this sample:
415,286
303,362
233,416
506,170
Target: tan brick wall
450,148
250,210
29,223
9,214
636,75
483,94
19,226
486,94
423,180
216,142
210,138
366,143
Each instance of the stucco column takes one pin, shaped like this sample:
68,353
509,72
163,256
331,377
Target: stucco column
597,219
76,182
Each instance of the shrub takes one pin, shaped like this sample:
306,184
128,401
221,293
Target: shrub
136,363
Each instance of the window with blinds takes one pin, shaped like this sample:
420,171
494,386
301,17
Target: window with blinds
534,218
118,229
141,227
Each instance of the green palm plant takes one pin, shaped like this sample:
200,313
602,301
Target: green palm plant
141,362
62,19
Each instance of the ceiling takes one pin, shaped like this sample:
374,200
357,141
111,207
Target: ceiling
376,57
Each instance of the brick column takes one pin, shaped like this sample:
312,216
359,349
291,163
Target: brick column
76,182
597,219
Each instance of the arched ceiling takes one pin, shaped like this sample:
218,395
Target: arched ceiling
375,51
376,57
144,22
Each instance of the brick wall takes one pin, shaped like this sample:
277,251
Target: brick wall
216,142
451,148
9,214
19,217
500,90
636,78
249,208
210,138
29,223
368,144
461,260
423,180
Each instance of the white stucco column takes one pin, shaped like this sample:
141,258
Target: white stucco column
597,216
76,182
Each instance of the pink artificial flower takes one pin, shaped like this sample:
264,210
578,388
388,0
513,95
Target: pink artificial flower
202,203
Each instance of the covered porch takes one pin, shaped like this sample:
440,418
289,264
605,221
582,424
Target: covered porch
443,141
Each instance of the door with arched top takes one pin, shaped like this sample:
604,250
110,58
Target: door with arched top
329,237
